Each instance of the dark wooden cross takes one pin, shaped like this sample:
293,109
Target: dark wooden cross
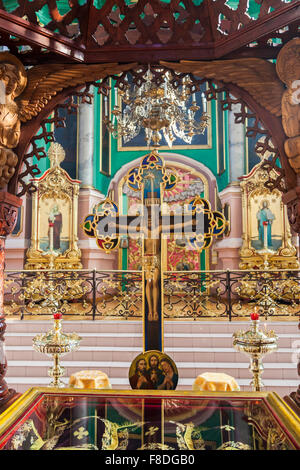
198,224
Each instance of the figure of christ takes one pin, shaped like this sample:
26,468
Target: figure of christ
55,221
152,266
152,252
151,262
155,374
152,259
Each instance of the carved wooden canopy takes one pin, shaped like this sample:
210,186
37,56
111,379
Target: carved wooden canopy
93,31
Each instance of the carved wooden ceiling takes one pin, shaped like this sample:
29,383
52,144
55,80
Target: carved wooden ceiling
94,31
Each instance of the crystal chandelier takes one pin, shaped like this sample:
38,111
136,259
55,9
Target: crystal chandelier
159,109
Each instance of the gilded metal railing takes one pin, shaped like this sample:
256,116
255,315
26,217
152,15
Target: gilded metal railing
186,294
79,292
228,294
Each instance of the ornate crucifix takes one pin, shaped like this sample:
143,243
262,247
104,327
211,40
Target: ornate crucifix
196,223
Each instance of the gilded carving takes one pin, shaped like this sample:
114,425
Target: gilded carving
54,220
266,233
266,430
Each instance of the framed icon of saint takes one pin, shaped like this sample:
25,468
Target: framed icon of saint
54,218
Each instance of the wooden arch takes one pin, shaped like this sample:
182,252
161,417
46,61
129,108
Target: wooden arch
273,133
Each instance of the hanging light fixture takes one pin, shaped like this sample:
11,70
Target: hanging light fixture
162,110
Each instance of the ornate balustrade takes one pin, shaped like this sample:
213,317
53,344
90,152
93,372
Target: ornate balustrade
186,294
228,294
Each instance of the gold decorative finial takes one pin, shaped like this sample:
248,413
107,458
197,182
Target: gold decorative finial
56,154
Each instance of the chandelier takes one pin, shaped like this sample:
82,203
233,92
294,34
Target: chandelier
162,110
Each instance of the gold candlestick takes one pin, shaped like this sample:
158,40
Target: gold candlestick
255,343
55,343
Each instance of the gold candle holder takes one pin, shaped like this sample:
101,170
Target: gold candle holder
256,344
55,344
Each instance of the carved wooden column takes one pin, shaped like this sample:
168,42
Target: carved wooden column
8,216
288,70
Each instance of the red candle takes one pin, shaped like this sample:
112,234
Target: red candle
254,316
57,316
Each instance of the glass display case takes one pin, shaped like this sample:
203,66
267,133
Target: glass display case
49,418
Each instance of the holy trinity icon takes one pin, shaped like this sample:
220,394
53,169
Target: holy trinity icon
153,370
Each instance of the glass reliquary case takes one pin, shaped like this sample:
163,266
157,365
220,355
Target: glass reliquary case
62,419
